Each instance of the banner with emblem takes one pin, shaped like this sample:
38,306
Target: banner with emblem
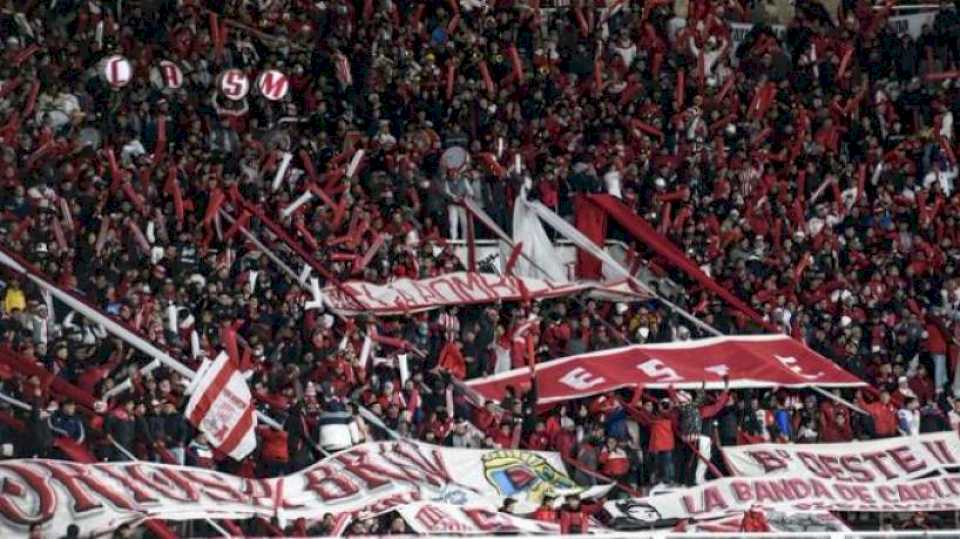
362,481
429,518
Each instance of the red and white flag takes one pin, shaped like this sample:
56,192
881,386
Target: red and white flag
343,69
221,406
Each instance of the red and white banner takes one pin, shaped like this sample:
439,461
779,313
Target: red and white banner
787,494
221,406
429,518
100,497
374,478
362,481
410,296
748,361
874,461
814,521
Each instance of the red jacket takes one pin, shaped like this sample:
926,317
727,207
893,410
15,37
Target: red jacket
884,416
754,521
614,463
545,514
274,445
564,442
661,429
573,522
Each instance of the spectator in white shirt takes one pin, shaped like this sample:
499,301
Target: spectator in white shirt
908,418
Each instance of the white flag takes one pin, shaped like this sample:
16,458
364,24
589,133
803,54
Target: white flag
222,408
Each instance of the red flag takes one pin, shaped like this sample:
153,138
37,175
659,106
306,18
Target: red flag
451,359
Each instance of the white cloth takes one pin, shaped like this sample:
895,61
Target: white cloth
528,229
909,421
946,126
612,268
503,359
613,181
704,446
943,177
626,53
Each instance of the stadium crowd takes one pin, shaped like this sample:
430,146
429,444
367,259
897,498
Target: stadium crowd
811,173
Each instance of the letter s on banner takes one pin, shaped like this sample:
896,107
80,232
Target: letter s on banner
581,379
658,370
234,84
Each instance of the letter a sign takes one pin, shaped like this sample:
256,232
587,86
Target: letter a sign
234,84
172,76
117,71
273,85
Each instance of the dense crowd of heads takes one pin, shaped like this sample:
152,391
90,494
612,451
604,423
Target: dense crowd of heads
810,170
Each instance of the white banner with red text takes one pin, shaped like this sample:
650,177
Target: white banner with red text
748,361
814,521
429,518
786,494
361,481
404,296
874,461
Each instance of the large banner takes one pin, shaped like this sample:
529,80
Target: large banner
787,494
405,296
364,480
875,461
428,518
815,521
748,361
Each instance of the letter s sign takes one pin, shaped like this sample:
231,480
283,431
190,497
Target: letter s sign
658,370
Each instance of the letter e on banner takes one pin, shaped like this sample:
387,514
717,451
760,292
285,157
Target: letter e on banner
172,76
234,84
273,85
117,71
580,379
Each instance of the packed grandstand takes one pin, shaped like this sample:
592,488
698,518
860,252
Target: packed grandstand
394,267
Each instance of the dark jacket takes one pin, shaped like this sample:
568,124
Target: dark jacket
70,426
39,436
122,427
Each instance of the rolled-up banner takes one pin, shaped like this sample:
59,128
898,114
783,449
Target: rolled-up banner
281,170
355,161
487,79
451,77
304,198
516,63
